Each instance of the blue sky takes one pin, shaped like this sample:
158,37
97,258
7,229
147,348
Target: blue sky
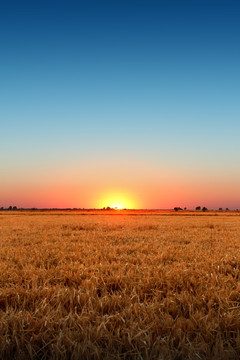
146,85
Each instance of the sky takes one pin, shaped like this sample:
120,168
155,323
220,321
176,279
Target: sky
134,103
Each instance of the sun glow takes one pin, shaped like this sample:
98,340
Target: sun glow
117,200
117,206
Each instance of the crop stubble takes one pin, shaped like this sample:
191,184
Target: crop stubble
129,285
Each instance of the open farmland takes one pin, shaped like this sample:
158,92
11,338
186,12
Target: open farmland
129,285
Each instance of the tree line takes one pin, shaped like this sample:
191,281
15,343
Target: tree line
199,208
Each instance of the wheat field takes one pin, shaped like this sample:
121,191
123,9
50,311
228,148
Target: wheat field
119,285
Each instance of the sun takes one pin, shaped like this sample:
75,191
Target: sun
116,206
116,200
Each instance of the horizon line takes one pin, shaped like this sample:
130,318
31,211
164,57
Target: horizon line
176,209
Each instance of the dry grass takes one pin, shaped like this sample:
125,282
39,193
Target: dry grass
134,286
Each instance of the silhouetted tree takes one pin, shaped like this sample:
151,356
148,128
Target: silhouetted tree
10,208
198,208
185,208
227,209
14,208
177,208
204,208
220,209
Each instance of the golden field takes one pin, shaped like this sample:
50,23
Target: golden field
119,285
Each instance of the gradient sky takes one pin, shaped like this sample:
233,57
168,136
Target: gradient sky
135,98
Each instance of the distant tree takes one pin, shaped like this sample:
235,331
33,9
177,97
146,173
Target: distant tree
14,208
185,208
108,208
198,208
2,208
10,208
204,208
177,208
227,209
220,209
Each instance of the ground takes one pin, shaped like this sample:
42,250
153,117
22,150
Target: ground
119,285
